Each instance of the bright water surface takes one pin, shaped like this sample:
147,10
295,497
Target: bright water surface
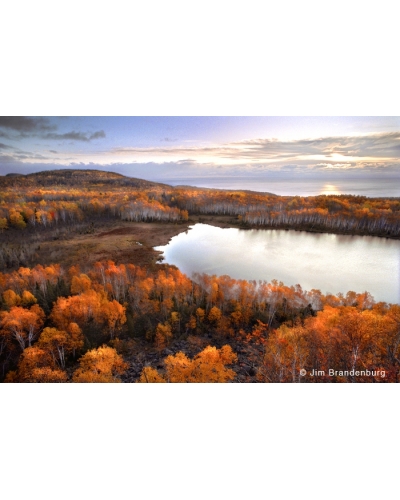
375,187
328,262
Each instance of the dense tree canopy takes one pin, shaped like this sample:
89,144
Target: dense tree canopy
280,329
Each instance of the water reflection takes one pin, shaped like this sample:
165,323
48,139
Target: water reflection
329,262
330,189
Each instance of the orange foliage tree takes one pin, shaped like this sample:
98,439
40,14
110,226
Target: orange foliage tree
100,365
22,324
89,306
36,365
286,352
60,342
207,366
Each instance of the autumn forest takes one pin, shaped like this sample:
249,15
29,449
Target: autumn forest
84,296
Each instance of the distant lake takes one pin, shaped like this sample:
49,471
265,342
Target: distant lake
372,187
328,262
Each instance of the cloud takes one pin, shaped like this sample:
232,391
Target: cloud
42,127
385,145
372,145
6,159
100,134
167,150
75,136
342,155
4,146
26,123
333,166
180,172
30,156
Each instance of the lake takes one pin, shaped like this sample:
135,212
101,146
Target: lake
293,186
328,262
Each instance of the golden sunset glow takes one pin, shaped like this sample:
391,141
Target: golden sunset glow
330,189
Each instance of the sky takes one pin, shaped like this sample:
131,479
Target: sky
169,149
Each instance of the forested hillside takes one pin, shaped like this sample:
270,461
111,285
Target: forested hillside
68,196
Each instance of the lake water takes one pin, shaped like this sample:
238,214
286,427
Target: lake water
328,262
372,187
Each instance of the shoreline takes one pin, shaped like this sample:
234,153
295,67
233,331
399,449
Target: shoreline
236,224
132,242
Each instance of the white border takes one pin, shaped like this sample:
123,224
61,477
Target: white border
199,58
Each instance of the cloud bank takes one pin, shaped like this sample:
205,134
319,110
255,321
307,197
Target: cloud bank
22,127
385,145
368,154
